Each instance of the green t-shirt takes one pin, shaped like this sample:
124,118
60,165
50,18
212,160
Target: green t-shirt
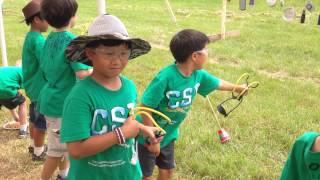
172,93
302,163
31,53
11,80
58,72
91,109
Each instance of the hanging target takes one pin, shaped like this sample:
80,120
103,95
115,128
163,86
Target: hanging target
281,3
271,2
289,14
319,20
251,3
242,5
310,6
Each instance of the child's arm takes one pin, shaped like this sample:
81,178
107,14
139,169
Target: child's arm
96,144
227,86
81,74
81,70
316,145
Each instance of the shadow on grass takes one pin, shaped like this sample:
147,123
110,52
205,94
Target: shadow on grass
8,135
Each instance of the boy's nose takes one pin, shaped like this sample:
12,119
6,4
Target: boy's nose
117,59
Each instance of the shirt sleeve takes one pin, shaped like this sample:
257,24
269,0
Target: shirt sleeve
76,120
39,47
208,83
154,93
20,77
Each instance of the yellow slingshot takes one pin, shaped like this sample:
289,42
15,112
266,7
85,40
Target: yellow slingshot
251,85
145,110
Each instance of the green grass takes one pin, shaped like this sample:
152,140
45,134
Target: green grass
283,56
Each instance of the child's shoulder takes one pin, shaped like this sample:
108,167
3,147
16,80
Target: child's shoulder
127,81
11,68
82,88
168,68
11,71
61,36
308,137
165,74
167,71
33,35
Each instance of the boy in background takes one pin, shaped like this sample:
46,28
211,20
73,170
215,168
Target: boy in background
304,160
11,80
172,92
33,77
61,76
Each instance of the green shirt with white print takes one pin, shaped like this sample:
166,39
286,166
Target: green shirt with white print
91,109
172,93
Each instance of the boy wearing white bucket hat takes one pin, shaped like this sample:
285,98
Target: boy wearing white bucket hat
61,76
96,125
172,92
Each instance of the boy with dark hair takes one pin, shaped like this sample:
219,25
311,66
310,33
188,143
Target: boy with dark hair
96,125
304,159
172,92
64,11
33,78
11,80
61,76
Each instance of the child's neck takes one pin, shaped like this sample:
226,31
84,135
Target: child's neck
66,28
186,69
111,83
34,29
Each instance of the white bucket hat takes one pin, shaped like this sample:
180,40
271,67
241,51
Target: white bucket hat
309,6
105,27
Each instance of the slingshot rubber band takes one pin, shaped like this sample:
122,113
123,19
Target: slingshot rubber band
156,112
143,110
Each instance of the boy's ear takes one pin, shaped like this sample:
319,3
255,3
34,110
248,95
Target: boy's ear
90,53
194,56
36,19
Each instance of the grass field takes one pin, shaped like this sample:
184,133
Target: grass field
283,56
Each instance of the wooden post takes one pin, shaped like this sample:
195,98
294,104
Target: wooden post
2,38
223,19
171,12
101,7
223,34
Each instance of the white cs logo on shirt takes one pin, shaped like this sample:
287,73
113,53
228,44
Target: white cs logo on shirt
117,115
186,95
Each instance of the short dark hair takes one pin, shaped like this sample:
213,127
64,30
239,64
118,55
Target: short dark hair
58,13
31,19
108,42
185,42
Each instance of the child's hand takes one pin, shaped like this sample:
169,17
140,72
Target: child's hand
153,148
150,133
130,128
242,90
